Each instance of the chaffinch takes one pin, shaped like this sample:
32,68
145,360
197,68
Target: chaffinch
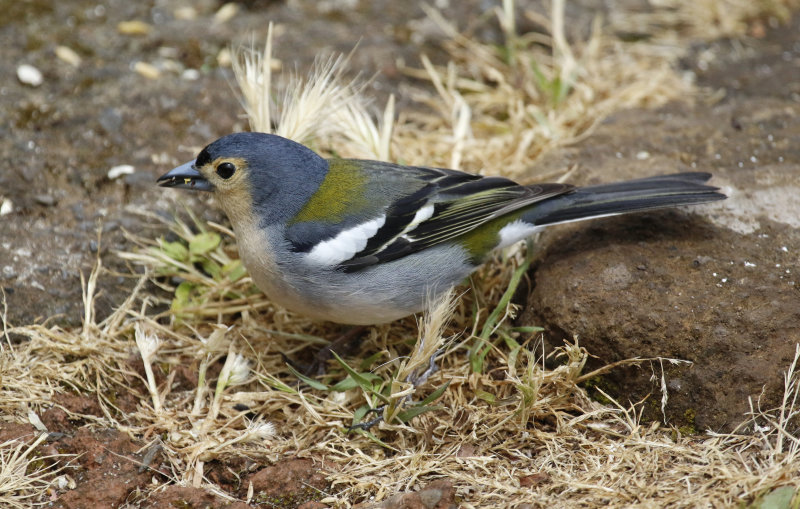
366,242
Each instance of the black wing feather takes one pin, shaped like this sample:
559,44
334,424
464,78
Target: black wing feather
461,202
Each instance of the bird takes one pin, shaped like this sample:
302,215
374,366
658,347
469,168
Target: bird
362,242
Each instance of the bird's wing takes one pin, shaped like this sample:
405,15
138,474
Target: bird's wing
448,205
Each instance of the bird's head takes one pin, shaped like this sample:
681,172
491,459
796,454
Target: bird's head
252,173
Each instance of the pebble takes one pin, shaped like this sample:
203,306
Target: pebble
147,70
190,74
68,55
29,75
226,13
45,199
133,27
224,57
6,207
185,13
120,170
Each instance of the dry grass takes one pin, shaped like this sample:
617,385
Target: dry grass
504,430
666,22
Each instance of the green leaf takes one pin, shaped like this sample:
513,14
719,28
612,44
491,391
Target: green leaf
359,378
235,270
314,384
345,385
375,439
481,346
435,394
350,383
202,243
364,380
408,414
183,295
779,498
211,268
175,250
277,384
511,343
477,356
513,354
360,413
486,396
500,309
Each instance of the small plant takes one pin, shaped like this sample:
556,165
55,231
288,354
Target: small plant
198,269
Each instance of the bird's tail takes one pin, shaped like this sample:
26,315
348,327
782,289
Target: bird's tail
623,197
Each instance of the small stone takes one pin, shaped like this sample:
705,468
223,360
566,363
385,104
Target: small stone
185,13
6,207
133,27
224,57
147,70
68,55
190,74
118,171
45,199
29,75
226,12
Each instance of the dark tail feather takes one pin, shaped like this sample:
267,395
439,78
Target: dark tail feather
622,197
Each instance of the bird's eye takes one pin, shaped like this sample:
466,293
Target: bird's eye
226,170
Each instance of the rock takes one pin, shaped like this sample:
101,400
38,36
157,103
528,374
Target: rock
716,284
29,75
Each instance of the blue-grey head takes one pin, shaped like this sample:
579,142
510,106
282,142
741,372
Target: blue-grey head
253,173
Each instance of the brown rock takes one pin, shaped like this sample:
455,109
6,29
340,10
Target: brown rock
716,285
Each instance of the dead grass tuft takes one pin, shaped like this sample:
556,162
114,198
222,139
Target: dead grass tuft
25,477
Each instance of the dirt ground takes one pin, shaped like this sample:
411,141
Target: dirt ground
61,138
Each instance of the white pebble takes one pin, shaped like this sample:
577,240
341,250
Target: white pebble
30,75
6,207
226,12
190,74
118,171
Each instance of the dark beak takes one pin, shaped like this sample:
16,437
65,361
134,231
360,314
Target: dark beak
185,176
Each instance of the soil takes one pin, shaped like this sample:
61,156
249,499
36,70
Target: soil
61,138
